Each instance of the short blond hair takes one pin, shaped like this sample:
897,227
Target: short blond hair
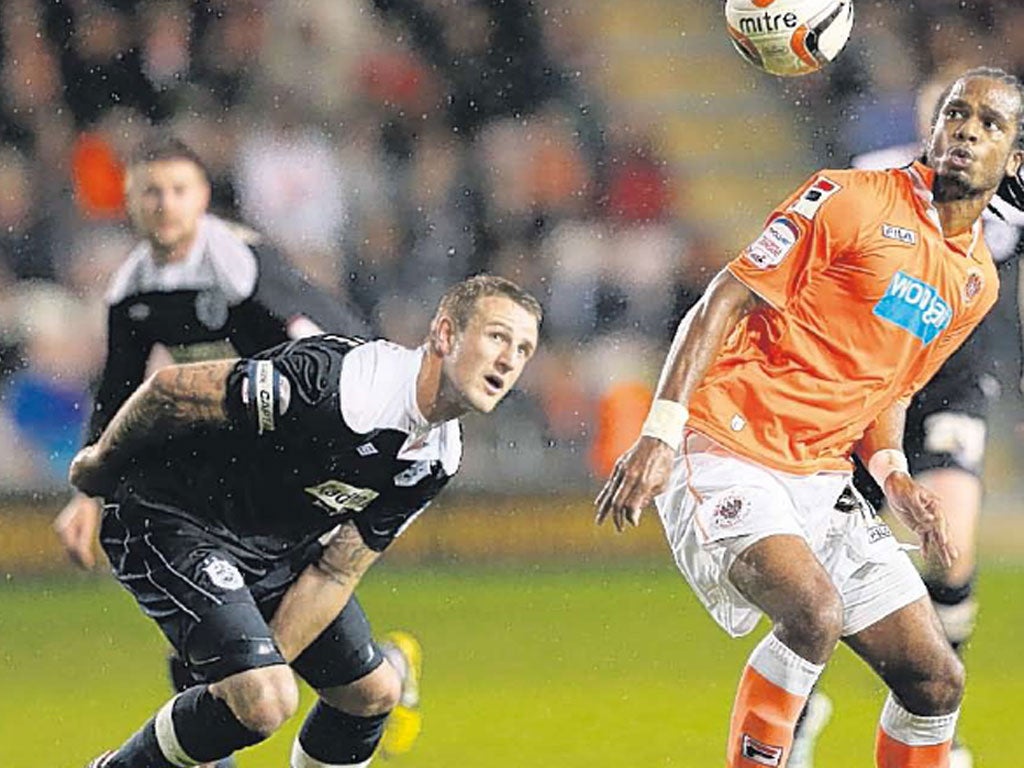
459,302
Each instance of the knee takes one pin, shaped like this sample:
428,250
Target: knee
944,688
812,627
262,699
374,694
934,689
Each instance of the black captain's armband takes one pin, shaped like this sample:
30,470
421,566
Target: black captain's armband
291,388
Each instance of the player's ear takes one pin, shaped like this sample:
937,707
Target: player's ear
1013,164
444,335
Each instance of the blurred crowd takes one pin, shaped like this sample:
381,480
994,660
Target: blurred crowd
896,48
391,147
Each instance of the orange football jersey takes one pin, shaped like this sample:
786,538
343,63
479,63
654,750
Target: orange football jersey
864,300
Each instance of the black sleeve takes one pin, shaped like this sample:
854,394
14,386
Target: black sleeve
283,295
125,367
289,392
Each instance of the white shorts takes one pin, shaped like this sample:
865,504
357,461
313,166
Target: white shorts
717,504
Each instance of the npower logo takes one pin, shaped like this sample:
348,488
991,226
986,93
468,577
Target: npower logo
915,306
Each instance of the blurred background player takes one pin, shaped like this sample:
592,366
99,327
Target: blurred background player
945,431
198,287
250,568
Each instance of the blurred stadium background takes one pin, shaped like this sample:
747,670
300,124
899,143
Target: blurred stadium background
608,155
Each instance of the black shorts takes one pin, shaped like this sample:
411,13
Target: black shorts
212,599
942,433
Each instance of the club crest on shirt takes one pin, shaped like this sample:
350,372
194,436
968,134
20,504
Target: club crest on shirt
814,197
212,308
973,286
139,311
222,574
774,244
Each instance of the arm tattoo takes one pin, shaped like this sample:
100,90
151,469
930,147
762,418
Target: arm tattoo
172,401
346,557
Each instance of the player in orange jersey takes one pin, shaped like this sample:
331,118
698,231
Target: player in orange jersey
804,350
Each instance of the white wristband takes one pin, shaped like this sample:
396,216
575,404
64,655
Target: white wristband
886,461
666,421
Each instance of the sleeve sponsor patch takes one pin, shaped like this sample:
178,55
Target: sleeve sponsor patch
774,244
814,197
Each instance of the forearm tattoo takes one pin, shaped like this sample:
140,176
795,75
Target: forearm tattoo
173,400
346,557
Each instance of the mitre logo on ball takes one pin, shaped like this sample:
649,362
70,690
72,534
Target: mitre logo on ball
789,37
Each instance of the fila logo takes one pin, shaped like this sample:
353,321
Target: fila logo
366,449
814,197
879,532
905,236
758,752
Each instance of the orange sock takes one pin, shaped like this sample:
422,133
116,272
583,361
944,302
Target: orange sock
772,692
906,740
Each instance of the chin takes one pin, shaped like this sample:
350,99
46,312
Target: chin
485,403
952,184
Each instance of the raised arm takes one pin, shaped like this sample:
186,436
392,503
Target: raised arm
172,401
319,594
881,450
641,472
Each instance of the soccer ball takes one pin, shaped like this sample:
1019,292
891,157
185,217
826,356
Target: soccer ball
789,37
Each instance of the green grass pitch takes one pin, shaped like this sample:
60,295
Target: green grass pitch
526,666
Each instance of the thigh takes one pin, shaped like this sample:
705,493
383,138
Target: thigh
343,653
780,574
717,506
191,586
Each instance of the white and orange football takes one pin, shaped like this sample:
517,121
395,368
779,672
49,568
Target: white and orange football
789,37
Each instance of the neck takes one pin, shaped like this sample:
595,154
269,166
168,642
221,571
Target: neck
433,398
958,214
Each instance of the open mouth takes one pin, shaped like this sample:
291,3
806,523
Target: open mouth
960,157
494,382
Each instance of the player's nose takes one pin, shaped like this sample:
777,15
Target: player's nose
969,130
